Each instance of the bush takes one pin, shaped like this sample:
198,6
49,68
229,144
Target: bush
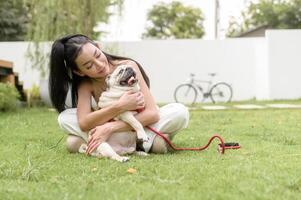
34,97
8,97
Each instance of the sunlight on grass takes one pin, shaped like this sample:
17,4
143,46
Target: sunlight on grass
35,164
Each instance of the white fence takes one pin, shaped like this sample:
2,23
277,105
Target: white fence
261,68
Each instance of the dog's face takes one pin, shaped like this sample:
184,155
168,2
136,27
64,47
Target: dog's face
123,75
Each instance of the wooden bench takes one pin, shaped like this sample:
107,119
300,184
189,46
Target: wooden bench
6,72
7,75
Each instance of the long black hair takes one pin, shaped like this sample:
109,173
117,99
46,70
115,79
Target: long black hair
64,51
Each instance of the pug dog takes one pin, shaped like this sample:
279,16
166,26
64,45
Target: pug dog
123,79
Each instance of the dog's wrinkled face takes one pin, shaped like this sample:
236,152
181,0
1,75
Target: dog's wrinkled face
123,75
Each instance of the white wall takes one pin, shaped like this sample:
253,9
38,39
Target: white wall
262,89
284,63
170,62
265,68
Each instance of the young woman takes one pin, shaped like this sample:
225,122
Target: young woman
78,63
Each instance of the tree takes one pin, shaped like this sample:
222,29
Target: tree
174,21
276,14
51,19
13,20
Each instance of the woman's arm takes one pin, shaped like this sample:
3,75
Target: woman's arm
89,119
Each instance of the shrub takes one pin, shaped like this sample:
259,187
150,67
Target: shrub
8,97
34,97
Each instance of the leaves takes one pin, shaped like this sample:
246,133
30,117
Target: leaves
131,170
8,97
52,19
13,20
276,14
174,21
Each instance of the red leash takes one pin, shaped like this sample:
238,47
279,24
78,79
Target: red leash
221,145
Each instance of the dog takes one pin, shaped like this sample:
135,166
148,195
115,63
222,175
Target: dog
122,79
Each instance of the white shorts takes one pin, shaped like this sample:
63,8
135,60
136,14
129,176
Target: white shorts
173,117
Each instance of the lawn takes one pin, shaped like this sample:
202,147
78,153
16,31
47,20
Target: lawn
34,163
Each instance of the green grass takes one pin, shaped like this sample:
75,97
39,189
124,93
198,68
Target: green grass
250,101
34,163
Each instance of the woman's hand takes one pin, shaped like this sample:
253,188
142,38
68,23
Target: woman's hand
131,101
97,136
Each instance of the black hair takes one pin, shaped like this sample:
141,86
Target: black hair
64,51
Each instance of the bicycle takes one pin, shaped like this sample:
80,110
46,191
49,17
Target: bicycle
188,92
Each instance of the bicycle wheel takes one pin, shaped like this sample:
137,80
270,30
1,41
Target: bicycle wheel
221,93
186,94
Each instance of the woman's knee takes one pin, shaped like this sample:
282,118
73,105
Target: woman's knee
179,114
64,119
183,114
68,122
73,143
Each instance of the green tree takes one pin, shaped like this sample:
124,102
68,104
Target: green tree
174,20
13,20
51,19
276,14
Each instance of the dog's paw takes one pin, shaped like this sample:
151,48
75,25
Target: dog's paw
124,159
140,153
121,158
82,148
142,137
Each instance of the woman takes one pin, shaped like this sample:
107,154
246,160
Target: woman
78,63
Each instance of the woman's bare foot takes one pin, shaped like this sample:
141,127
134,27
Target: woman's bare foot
73,143
159,145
